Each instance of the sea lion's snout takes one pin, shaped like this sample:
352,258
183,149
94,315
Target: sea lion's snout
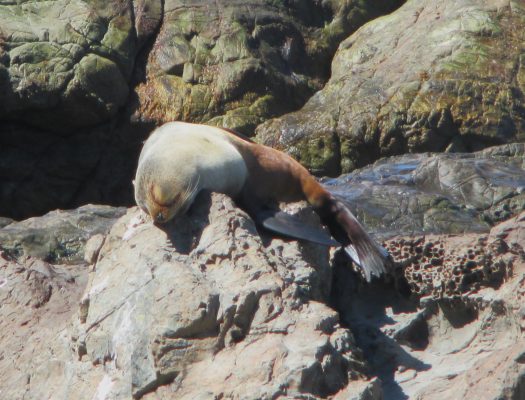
160,218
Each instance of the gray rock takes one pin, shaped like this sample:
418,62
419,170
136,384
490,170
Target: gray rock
206,307
437,193
431,76
39,301
444,346
203,307
59,236
5,221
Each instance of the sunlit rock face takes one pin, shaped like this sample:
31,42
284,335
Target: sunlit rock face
431,76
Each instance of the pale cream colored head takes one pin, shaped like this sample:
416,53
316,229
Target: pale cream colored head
164,190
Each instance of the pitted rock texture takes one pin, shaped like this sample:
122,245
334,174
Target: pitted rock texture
464,267
431,76
238,63
464,345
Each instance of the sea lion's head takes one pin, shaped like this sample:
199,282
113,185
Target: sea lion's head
161,193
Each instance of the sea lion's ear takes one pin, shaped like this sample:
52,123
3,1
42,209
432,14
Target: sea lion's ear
292,226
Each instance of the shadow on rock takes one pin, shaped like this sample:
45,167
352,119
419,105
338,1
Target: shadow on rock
184,232
367,310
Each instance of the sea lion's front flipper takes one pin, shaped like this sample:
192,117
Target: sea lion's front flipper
292,226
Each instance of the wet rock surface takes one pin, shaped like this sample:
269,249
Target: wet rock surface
437,193
431,76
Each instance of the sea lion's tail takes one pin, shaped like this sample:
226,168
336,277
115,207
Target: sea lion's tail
372,258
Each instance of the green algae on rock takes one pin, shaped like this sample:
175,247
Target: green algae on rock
237,63
64,64
431,76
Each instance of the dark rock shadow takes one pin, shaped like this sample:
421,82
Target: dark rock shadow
363,309
184,232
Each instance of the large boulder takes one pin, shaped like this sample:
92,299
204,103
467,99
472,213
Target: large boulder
237,63
207,307
210,309
203,307
431,76
67,64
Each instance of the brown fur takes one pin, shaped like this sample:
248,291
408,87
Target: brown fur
275,176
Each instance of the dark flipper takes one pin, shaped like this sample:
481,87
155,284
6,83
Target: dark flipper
372,258
292,226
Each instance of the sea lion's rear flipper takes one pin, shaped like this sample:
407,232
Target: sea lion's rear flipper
292,226
371,257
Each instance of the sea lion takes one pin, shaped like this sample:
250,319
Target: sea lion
180,159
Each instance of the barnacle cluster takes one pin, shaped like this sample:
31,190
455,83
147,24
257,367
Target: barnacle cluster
433,266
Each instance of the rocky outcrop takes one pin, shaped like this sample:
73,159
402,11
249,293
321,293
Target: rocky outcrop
66,71
67,64
204,296
237,63
208,307
252,314
83,83
465,343
437,193
431,76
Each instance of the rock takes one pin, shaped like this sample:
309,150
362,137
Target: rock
39,301
431,76
5,221
59,58
59,236
92,248
445,345
207,307
66,69
82,84
42,172
449,267
237,63
437,193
